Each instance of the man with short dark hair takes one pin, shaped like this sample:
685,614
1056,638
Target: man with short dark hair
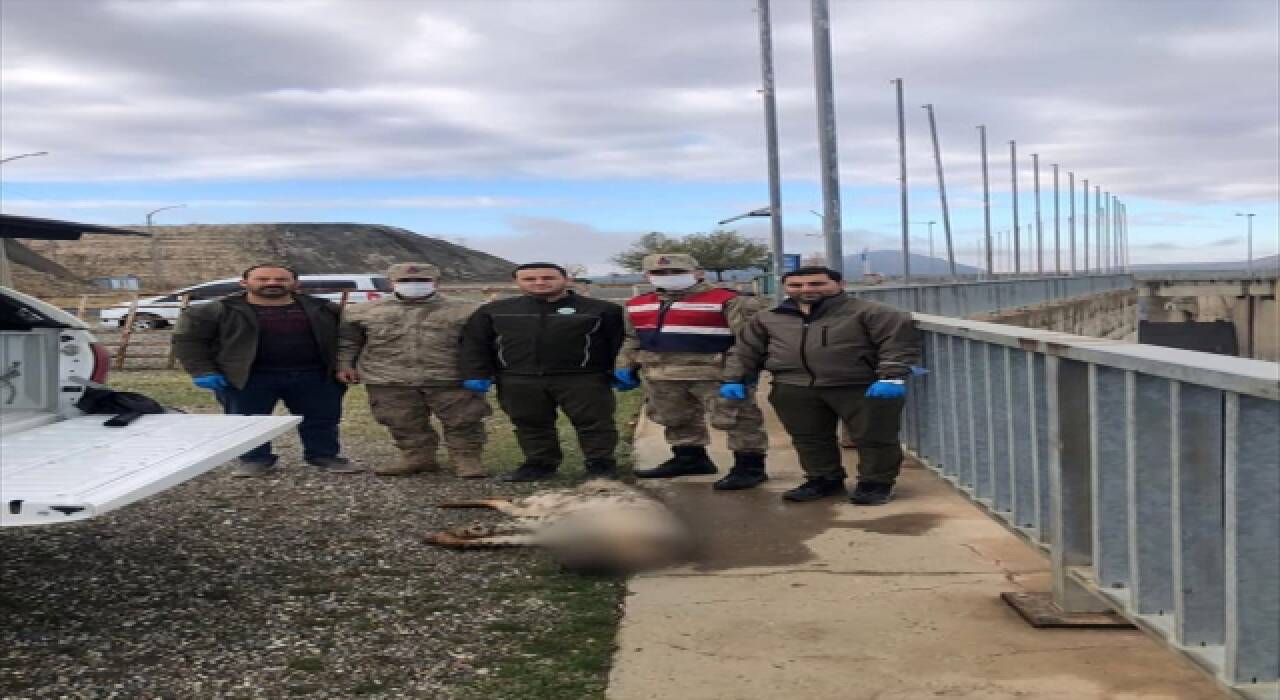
832,358
548,349
263,346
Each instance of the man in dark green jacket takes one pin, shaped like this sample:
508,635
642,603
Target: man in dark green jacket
548,349
267,345
833,358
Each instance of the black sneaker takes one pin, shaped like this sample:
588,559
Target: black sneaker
334,465
689,460
868,493
530,472
814,489
601,469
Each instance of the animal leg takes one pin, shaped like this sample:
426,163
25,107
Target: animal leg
452,541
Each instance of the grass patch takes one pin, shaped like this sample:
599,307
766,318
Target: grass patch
309,664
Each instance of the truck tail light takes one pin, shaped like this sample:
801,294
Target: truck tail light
101,363
373,296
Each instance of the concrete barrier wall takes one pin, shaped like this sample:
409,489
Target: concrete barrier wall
963,299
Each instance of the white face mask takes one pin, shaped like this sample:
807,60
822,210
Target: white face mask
675,282
415,289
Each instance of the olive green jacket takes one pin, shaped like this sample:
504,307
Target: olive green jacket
404,342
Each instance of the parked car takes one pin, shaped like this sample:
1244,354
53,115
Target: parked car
163,311
58,464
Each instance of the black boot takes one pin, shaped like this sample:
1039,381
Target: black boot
747,472
605,468
531,472
688,459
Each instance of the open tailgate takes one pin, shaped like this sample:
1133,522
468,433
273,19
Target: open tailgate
78,469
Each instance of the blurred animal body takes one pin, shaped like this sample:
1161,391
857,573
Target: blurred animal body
600,526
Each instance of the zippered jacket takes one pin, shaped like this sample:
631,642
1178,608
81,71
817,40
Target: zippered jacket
702,310
404,342
842,341
222,336
527,336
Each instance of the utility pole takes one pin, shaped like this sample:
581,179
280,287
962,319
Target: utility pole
986,201
1057,226
1017,248
1084,220
942,191
902,184
831,225
1035,167
1108,244
1071,218
776,241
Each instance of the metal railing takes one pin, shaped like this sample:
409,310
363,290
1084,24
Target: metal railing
962,299
1151,475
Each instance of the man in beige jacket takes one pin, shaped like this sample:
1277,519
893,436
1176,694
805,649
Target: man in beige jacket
405,350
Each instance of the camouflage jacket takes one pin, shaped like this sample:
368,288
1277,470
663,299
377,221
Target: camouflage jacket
684,366
404,342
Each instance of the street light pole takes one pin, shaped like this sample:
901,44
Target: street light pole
1071,218
1057,226
1084,220
1017,244
1248,218
942,192
986,200
831,224
902,180
157,275
1098,252
776,241
1035,169
24,155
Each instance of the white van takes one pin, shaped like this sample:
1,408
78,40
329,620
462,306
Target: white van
58,464
163,311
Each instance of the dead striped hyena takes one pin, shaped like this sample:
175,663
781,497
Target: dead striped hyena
602,525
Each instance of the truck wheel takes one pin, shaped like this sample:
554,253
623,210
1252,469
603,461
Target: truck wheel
147,322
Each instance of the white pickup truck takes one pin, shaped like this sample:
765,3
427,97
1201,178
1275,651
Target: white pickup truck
58,464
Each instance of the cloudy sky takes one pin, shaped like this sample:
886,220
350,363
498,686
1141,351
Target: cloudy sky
562,129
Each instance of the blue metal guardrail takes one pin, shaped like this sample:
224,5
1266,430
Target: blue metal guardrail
1151,475
962,299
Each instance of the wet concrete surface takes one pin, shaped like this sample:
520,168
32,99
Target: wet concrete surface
828,600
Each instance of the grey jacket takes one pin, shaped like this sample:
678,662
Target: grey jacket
842,341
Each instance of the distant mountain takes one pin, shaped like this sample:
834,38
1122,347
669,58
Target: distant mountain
889,263
1270,262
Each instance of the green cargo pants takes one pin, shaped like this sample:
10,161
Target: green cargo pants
531,403
811,414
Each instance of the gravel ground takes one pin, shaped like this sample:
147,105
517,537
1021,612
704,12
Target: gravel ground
302,584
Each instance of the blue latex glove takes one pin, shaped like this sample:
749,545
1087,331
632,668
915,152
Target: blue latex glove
735,391
625,380
887,389
918,371
212,382
480,386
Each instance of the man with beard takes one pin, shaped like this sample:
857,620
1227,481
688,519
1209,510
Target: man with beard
266,345
548,349
833,359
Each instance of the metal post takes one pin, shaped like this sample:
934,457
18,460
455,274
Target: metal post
986,201
1017,247
1035,168
1097,229
776,241
1085,221
942,191
931,223
902,183
1107,244
1057,226
1071,218
831,226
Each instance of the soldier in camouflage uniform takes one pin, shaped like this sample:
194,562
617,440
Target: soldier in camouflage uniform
405,349
677,338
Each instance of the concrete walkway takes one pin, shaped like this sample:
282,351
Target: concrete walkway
829,600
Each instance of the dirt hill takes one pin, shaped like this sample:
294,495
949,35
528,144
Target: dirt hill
185,255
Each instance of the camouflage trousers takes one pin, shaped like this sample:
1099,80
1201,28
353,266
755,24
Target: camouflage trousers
406,412
682,407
